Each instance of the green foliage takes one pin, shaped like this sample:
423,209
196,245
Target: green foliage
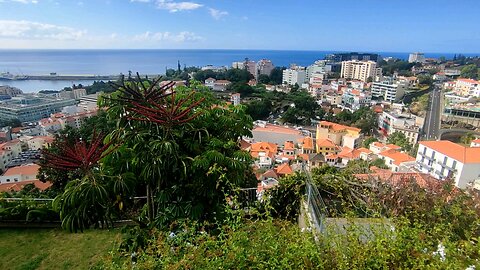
241,87
10,123
255,245
304,109
470,71
368,141
276,75
399,138
425,80
263,79
284,199
399,66
467,138
364,118
259,109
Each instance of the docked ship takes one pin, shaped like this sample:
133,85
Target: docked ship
7,76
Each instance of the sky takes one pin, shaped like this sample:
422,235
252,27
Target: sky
342,25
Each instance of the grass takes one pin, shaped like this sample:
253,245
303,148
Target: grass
54,248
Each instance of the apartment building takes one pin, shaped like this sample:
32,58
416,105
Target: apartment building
295,75
30,108
408,124
20,173
388,91
339,134
354,99
359,70
416,57
466,88
263,67
444,159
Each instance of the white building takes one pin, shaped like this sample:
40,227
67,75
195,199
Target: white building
359,70
263,67
235,99
20,173
416,57
217,85
408,124
443,159
354,99
388,91
319,67
250,66
292,76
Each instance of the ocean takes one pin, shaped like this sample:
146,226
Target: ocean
112,62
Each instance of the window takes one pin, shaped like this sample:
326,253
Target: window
454,166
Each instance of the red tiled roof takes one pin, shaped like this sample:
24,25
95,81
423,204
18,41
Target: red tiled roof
397,157
307,143
455,151
289,145
17,186
339,127
29,169
284,169
326,143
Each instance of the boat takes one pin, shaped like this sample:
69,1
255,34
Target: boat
7,76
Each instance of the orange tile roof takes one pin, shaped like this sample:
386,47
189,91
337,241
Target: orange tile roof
424,180
364,150
307,143
393,146
476,141
270,174
338,127
304,156
455,151
289,145
263,147
378,144
397,157
284,169
468,81
29,169
326,143
277,129
17,186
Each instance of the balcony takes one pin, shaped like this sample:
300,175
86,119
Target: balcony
426,157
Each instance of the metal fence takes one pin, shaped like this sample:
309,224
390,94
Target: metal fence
315,205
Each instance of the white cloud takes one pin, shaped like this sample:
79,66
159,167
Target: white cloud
181,37
20,1
176,6
172,6
35,30
217,14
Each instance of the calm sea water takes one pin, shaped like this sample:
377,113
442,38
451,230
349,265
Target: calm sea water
111,62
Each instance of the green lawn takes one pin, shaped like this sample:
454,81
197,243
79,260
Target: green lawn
54,248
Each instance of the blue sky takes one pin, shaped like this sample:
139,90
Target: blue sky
358,25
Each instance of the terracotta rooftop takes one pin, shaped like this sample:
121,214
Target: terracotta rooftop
397,157
17,186
307,143
424,180
455,151
284,169
263,146
326,143
338,127
29,169
289,145
468,81
277,129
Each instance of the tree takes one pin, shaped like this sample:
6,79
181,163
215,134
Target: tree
263,79
398,138
240,87
259,109
368,141
276,75
467,138
469,71
425,80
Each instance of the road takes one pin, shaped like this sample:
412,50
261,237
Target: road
432,123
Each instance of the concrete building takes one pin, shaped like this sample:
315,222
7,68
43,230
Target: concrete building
217,85
250,66
20,173
408,124
30,108
339,134
388,91
416,57
319,69
359,70
466,87
235,99
354,99
264,132
6,90
263,67
340,57
444,159
292,76
397,161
